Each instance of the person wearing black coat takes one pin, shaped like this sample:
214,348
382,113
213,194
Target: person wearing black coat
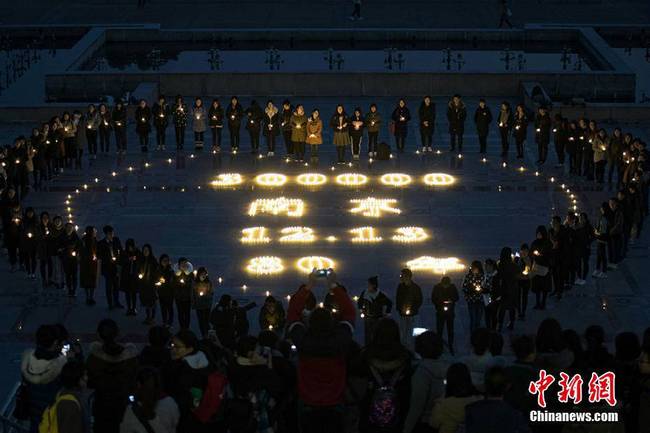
129,275
118,118
43,252
482,120
165,287
508,287
147,279
222,319
520,130
161,121
272,315
560,137
29,242
182,289
427,116
106,122
234,114
456,115
542,133
355,129
444,297
143,124
69,247
541,249
561,239
285,124
373,305
215,122
110,254
401,116
88,264
254,116
179,117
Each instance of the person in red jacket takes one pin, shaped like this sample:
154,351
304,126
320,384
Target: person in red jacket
322,355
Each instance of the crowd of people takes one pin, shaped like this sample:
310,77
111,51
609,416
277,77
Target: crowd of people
592,151
309,375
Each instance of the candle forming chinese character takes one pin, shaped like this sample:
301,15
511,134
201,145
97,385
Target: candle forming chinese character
374,207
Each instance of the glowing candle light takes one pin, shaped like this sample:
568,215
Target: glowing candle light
396,179
254,235
290,207
297,235
351,179
264,265
227,180
271,179
437,265
331,239
438,179
311,179
365,235
410,234
309,263
374,207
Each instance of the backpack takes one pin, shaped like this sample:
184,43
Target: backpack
209,401
49,422
384,403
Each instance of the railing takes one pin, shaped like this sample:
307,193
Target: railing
8,424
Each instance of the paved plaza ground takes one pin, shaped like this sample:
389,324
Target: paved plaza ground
489,207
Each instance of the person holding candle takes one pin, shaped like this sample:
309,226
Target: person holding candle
600,146
79,142
314,134
587,150
215,122
271,127
179,117
559,236
482,120
408,301
43,236
129,275
69,131
572,147
507,290
272,316
490,281
520,129
119,124
373,305
29,242
473,293
541,284
110,255
70,246
234,114
38,146
160,113
88,264
143,124
104,128
165,290
615,157
373,123
299,132
427,117
560,137
456,115
356,125
198,123
147,278
341,139
444,297
254,117
542,133
182,283
55,250
524,262
285,124
92,122
400,117
505,122
582,131
202,294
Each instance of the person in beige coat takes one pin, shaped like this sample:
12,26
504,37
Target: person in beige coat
449,412
299,132
314,133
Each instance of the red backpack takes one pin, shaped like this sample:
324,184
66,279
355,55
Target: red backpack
212,398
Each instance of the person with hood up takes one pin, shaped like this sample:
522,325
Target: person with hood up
41,369
182,283
112,369
373,305
272,316
456,115
271,127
